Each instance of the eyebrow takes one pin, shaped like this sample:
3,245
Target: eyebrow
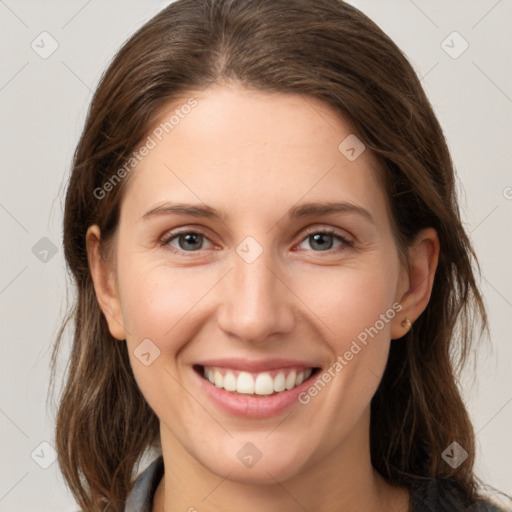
312,209
300,211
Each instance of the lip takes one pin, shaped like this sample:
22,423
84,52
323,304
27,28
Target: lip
250,406
254,366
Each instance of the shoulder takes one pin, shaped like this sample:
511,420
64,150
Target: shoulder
141,495
443,495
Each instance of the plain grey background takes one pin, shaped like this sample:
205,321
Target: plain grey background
43,102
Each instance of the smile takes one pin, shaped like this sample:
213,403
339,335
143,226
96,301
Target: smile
254,388
262,383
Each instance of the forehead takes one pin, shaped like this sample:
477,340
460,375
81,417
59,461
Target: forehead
243,150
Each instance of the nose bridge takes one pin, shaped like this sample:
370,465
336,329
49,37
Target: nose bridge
256,304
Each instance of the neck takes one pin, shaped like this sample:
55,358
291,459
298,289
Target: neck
342,480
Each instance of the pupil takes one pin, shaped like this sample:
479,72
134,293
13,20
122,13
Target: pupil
319,238
190,239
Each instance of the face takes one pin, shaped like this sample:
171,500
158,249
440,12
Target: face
257,283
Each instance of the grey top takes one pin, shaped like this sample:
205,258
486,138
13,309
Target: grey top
433,496
140,498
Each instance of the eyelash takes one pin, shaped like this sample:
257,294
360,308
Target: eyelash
346,243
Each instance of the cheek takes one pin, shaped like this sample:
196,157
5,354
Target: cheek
160,305
155,298
348,301
355,307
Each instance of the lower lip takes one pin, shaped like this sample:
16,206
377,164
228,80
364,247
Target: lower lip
251,406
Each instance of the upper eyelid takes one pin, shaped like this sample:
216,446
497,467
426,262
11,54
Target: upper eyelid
171,235
342,233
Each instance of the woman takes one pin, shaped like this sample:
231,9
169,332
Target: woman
263,229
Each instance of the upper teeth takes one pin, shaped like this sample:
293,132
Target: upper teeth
259,383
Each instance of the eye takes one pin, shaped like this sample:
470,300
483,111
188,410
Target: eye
187,241
326,240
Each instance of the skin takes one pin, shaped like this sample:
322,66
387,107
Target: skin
253,156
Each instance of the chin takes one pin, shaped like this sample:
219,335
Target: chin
250,465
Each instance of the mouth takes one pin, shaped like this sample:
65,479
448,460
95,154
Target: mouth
264,384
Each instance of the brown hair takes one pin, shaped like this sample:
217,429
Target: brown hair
331,51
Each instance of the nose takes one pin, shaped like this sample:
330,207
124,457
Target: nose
256,305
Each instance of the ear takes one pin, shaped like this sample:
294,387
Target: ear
103,277
417,280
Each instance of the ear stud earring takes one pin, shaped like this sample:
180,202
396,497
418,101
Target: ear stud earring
407,324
